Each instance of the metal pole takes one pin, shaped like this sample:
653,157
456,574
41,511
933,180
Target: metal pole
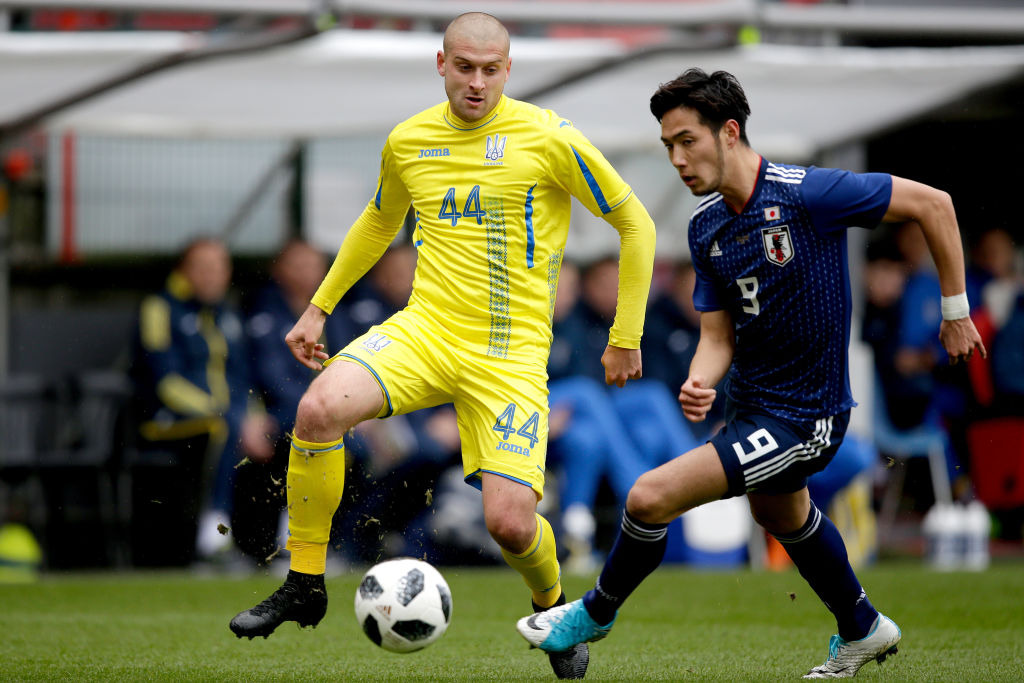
297,193
5,280
285,163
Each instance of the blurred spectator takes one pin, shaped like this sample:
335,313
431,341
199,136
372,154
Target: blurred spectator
295,274
994,279
192,373
599,432
1008,361
279,381
992,261
1003,300
671,332
905,373
901,324
920,315
921,353
588,441
405,452
655,421
993,287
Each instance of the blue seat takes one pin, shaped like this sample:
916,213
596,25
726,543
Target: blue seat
929,440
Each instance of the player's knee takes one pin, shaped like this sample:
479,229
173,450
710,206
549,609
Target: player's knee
645,501
513,533
783,521
316,415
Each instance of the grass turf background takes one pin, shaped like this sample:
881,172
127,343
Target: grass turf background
680,625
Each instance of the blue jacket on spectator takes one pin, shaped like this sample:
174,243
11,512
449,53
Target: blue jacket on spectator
192,375
280,379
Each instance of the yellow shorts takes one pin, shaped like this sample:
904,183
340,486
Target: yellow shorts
502,405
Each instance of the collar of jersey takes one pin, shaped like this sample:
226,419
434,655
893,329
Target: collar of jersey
458,124
755,192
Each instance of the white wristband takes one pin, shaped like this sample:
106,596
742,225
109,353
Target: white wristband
955,307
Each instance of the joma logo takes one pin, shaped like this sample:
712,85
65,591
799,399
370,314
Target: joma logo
506,446
437,152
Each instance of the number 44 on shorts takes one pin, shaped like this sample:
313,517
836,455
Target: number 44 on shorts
505,423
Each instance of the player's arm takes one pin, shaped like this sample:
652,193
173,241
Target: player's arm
621,358
580,168
362,247
933,211
710,363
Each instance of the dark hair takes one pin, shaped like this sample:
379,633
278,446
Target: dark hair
716,98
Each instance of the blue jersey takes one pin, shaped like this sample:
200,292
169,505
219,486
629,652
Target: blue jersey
780,269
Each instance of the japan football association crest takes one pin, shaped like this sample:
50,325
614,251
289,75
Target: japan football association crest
778,246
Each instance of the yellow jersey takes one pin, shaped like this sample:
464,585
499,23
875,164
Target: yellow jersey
492,204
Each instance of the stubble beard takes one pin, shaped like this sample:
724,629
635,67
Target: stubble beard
715,183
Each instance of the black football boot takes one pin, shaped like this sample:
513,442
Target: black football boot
301,598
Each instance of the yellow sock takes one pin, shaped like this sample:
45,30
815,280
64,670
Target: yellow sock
307,558
538,565
316,477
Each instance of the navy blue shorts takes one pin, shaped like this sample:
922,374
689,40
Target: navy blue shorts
766,454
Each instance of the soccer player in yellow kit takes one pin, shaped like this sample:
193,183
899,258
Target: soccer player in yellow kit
489,179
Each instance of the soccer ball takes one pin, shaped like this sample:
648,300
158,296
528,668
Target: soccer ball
403,605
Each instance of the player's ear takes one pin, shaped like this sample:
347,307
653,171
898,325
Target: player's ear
440,62
508,68
732,131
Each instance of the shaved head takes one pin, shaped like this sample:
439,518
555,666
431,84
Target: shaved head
474,63
476,28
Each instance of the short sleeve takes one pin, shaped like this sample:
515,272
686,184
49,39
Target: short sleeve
705,294
837,199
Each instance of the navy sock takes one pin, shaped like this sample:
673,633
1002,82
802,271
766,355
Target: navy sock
637,552
819,553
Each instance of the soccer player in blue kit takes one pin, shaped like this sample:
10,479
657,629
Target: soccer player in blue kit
769,245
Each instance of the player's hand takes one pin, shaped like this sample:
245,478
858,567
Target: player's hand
256,437
302,339
696,399
960,338
620,365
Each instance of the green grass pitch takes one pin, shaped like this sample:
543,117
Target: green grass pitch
681,625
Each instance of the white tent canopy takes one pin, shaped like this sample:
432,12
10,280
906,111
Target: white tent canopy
806,101
337,83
